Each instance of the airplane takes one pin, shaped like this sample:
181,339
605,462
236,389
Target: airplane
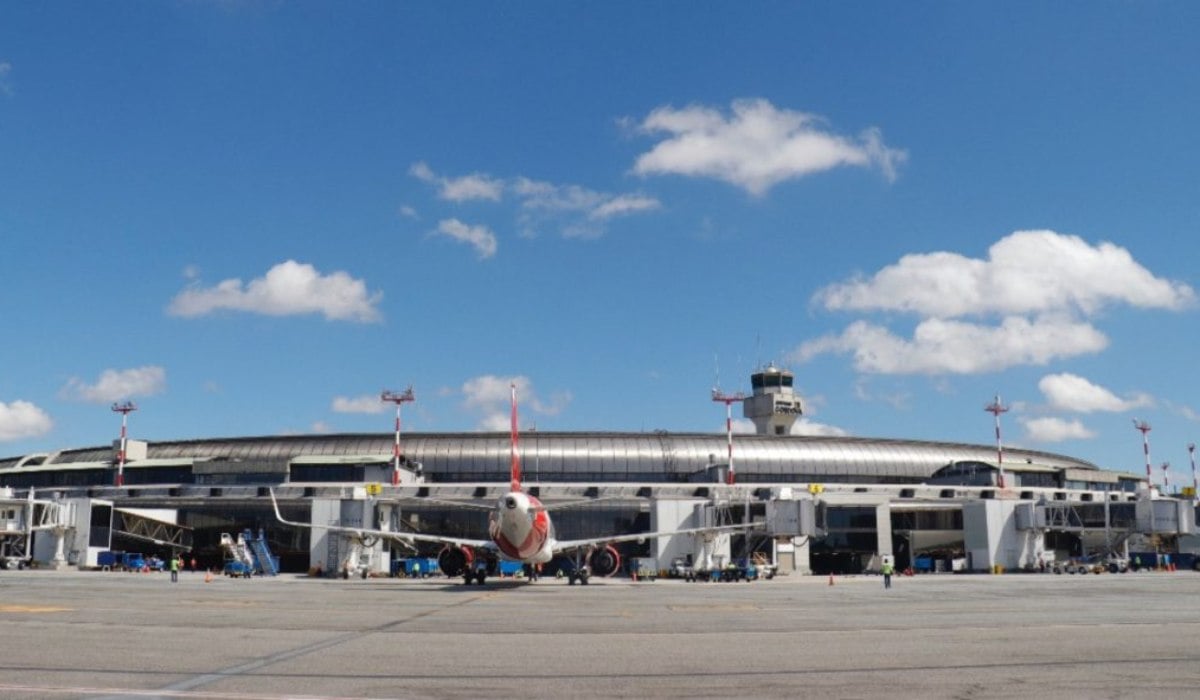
519,530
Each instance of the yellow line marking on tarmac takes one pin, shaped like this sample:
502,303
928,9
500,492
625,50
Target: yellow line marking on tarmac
224,603
32,609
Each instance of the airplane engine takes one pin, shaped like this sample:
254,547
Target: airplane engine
605,561
453,561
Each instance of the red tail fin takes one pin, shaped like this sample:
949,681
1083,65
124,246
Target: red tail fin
516,463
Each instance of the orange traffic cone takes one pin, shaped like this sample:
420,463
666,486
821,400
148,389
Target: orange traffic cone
208,576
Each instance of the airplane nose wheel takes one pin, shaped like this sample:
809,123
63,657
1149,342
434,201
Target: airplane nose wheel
580,572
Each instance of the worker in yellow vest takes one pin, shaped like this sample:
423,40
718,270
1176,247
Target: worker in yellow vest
887,569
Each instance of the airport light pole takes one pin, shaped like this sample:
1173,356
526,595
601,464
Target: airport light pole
1144,427
728,400
1166,478
1192,457
124,409
399,399
996,408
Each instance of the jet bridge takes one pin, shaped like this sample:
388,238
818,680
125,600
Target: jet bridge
1013,534
152,527
21,518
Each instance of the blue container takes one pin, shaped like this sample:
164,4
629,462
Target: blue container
509,568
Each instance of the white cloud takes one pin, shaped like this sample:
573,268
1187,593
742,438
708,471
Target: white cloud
116,385
490,396
535,194
804,426
359,404
1040,284
1052,429
472,187
756,147
480,237
1069,392
21,419
624,204
408,212
576,211
741,426
898,399
289,288
1027,272
955,347
1183,410
321,427
461,189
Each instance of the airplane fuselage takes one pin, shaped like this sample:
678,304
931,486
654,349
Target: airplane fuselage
521,529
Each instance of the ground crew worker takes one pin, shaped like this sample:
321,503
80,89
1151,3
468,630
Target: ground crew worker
174,568
887,570
416,567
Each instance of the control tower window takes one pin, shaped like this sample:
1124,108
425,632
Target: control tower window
771,380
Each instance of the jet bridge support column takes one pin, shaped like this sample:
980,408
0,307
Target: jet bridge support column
340,554
792,523
675,514
883,529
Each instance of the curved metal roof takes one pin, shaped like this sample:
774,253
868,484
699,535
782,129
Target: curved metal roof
604,456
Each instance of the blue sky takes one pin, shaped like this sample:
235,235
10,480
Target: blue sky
250,218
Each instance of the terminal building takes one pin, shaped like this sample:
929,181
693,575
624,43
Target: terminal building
825,504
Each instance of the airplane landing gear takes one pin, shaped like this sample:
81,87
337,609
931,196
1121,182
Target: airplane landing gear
580,572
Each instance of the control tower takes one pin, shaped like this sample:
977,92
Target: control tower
774,405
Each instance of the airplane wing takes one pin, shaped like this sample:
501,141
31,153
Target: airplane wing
574,504
567,545
367,532
489,506
465,505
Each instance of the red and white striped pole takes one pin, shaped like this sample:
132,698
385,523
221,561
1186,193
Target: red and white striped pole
996,408
729,400
1166,479
124,409
515,462
398,399
1144,428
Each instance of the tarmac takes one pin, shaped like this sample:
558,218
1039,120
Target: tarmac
127,635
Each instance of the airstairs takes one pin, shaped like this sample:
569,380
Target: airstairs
248,554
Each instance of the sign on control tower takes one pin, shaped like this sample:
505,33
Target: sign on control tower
775,404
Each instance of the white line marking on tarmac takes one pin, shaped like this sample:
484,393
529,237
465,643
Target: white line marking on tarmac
160,693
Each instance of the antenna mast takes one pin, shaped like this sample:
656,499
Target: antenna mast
1144,428
1166,478
728,400
399,399
996,408
124,409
